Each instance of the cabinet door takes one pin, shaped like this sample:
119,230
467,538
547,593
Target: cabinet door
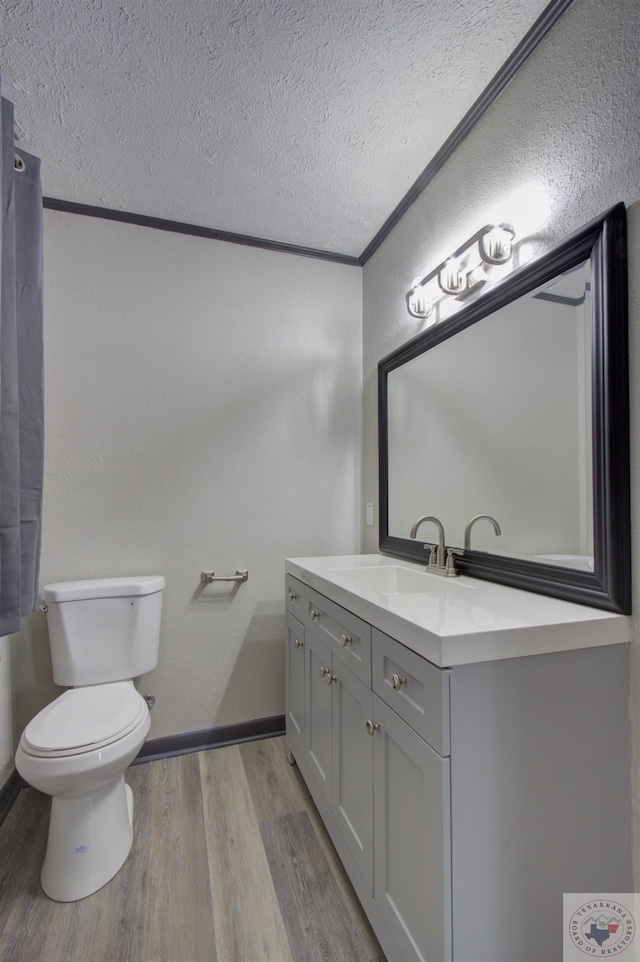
317,729
412,839
352,801
294,686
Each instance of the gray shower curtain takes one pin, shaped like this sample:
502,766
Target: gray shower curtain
21,379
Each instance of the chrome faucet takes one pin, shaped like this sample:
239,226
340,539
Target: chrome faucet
440,550
437,564
479,517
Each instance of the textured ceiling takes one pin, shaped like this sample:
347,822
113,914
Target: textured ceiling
303,121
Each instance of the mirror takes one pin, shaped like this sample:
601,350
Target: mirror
516,409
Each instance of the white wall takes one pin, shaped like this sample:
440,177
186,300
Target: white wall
566,135
203,411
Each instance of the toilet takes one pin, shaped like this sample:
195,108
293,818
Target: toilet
103,633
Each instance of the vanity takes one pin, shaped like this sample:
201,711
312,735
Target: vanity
459,711
466,744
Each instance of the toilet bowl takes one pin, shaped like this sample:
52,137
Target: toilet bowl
77,750
102,633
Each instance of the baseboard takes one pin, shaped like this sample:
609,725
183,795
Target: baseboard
9,793
200,741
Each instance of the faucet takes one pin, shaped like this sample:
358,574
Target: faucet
439,563
479,517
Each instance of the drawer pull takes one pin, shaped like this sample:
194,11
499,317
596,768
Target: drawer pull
345,640
314,614
298,643
324,671
292,595
329,677
398,682
372,727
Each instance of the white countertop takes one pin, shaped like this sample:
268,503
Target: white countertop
457,621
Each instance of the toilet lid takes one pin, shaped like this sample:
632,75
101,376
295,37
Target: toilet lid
83,719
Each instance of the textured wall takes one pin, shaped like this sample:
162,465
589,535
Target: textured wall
203,412
566,135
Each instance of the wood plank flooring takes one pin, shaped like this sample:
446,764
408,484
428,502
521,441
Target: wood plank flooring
230,863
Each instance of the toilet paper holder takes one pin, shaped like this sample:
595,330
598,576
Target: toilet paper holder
207,577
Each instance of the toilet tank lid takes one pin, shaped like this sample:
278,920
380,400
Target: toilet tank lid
102,588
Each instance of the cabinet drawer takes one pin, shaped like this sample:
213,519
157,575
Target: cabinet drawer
294,594
348,637
414,688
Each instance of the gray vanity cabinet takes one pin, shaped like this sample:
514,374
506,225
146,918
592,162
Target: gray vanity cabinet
463,801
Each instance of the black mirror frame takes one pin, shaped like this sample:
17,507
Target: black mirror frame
609,585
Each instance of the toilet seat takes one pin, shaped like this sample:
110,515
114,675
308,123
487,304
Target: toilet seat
85,719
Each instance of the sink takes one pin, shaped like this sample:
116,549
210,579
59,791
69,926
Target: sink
455,621
387,579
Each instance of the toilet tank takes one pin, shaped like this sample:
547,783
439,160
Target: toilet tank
103,630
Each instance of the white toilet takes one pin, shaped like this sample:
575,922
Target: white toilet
103,634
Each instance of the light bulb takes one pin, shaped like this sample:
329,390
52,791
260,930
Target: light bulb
496,244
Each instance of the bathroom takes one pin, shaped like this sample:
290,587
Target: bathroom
214,406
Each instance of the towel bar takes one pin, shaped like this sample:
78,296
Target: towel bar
206,577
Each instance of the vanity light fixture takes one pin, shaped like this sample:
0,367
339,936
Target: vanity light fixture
463,272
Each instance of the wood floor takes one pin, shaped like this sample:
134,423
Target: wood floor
230,862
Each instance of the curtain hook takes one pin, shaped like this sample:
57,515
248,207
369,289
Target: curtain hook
18,163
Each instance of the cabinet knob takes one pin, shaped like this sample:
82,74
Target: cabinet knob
326,674
398,682
298,643
345,640
314,614
292,595
372,727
